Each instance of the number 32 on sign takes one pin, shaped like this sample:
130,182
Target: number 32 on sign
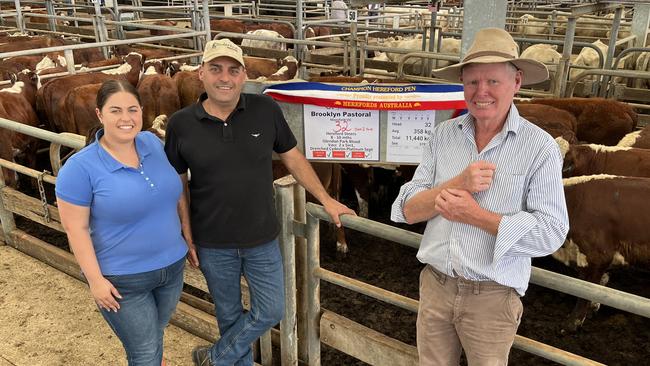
341,134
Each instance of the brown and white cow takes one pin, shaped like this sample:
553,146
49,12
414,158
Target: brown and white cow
609,221
17,104
240,26
51,96
557,122
600,121
188,85
159,95
600,159
32,44
639,139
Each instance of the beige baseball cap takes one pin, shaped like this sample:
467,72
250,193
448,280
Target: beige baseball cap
222,47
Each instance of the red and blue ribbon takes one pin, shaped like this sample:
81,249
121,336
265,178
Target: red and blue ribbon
371,96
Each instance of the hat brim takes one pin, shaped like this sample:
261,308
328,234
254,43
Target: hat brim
533,71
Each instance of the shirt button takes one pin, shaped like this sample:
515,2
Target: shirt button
152,184
142,172
146,178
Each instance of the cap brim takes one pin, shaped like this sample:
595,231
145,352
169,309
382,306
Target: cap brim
533,71
212,57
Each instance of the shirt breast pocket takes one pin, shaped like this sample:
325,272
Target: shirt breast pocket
507,193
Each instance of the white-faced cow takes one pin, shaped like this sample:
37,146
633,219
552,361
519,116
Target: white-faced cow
609,222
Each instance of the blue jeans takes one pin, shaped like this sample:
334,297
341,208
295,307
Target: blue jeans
262,267
148,301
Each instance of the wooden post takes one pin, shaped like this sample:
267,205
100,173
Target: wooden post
288,325
6,217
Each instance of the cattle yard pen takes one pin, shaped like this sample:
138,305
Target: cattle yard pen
305,324
128,20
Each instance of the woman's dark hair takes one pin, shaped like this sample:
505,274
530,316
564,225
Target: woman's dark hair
105,91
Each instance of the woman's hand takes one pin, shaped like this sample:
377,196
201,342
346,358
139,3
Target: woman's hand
105,294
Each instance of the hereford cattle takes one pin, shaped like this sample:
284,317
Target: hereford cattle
77,109
154,66
18,37
163,23
608,228
33,63
600,121
159,127
639,139
86,55
146,52
318,31
51,96
287,71
257,66
159,95
241,26
17,104
274,45
599,159
189,87
556,122
31,44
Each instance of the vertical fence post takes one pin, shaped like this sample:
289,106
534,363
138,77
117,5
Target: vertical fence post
301,273
20,21
313,294
288,325
6,217
266,349
50,11
563,68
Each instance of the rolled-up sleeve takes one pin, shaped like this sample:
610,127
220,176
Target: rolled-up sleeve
540,229
422,180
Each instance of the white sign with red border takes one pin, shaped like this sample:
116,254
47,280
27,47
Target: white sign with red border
341,134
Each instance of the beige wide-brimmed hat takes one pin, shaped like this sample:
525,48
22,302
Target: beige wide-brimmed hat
222,47
495,45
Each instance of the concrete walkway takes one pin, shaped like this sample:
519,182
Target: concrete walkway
48,318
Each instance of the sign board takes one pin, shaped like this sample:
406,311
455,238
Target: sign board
408,134
352,16
341,134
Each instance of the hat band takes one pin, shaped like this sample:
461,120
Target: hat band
488,53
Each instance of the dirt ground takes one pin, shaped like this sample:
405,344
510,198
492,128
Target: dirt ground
49,318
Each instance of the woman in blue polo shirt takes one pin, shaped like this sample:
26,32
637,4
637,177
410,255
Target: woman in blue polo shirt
118,200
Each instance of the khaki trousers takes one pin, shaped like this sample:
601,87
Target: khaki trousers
454,313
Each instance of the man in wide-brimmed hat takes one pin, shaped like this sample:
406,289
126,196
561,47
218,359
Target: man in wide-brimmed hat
490,188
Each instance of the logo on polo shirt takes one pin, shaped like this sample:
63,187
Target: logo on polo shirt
255,134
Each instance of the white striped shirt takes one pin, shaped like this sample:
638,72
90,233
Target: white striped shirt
526,189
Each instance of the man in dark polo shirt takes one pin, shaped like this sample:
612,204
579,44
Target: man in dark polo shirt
226,140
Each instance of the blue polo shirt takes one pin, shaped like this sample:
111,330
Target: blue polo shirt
134,223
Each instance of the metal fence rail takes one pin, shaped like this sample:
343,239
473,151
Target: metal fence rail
569,285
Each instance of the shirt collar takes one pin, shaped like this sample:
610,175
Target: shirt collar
110,162
512,124
201,114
